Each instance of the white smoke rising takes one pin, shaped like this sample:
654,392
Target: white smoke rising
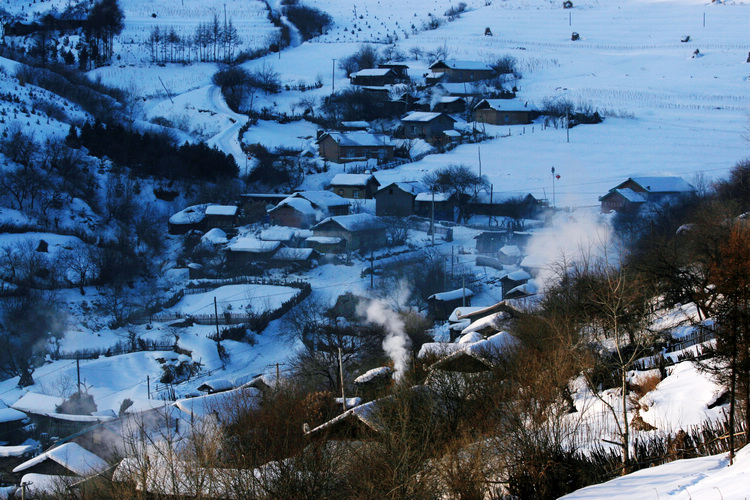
396,343
570,237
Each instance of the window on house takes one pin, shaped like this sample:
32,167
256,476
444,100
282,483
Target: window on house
355,194
414,129
390,191
341,192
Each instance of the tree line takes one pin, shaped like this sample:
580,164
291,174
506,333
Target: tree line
151,154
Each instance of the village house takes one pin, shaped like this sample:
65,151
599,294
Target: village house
355,186
441,305
504,112
344,147
490,242
477,356
188,219
630,195
509,255
442,205
246,250
374,77
297,257
403,104
356,231
513,205
512,280
466,90
460,71
221,216
397,199
305,208
401,70
426,125
450,104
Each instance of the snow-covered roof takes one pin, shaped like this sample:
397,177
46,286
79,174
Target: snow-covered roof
461,311
423,116
461,65
507,105
382,371
510,250
476,356
448,99
27,448
278,233
629,195
72,456
252,245
189,215
452,133
519,275
351,179
469,338
482,323
439,197
364,413
452,295
663,184
215,236
299,204
359,138
229,210
524,289
216,385
467,88
413,187
353,222
202,406
36,403
373,72
293,254
323,199
11,415
438,349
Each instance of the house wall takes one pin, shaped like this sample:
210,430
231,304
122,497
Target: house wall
220,221
288,216
450,107
427,130
359,240
458,75
495,117
375,81
354,153
443,210
394,202
329,149
355,192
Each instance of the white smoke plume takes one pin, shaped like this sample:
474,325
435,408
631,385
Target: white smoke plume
568,238
396,343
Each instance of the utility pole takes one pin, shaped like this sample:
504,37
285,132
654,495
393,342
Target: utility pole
333,77
479,152
341,373
78,371
553,187
216,316
463,291
372,270
489,217
432,222
148,385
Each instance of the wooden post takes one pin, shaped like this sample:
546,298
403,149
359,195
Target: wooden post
148,385
463,291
